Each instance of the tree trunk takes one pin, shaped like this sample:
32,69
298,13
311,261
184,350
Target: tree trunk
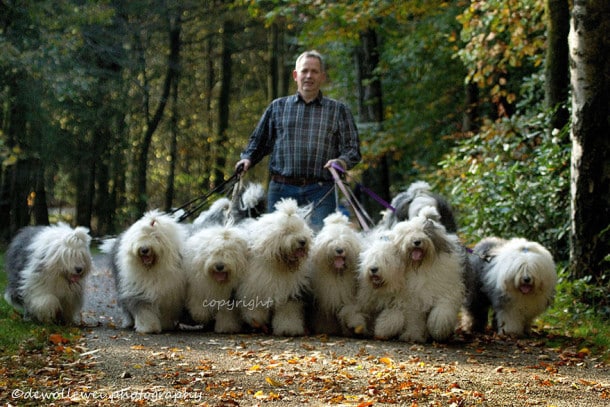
273,78
370,111
224,100
590,179
173,153
210,81
104,205
41,207
84,181
557,75
173,150
153,122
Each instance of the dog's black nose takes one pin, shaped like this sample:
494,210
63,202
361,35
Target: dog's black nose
219,266
417,243
144,250
302,242
78,270
374,270
527,279
339,250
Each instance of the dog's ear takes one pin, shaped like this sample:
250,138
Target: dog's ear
439,236
430,213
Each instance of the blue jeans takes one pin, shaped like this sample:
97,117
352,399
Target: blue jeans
320,194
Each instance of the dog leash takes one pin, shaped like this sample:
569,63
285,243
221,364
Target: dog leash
204,198
358,210
376,197
369,192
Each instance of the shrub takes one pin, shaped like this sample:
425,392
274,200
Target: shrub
512,179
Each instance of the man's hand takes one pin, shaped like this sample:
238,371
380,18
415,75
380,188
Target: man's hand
242,165
337,161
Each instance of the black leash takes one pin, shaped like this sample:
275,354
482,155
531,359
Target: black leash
202,199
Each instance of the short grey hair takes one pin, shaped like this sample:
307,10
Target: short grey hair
311,54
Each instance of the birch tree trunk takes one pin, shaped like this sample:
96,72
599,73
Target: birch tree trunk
589,44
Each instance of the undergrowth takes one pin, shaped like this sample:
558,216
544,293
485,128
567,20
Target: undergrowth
580,311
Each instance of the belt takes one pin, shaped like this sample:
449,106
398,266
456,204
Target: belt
297,181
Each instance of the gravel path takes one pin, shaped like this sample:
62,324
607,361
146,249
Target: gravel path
203,368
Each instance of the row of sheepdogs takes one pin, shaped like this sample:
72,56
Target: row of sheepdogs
409,279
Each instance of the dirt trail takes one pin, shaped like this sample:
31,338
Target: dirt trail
202,368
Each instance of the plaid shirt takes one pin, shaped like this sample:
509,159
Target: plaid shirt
301,137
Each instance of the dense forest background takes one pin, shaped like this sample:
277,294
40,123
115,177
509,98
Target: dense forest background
113,107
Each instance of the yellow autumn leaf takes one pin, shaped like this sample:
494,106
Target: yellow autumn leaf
256,368
386,361
273,382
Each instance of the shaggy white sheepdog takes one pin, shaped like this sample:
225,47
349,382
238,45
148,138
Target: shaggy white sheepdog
410,202
435,262
45,266
272,289
147,267
516,277
383,300
215,260
247,202
334,272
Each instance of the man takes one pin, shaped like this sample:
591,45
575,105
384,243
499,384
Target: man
304,134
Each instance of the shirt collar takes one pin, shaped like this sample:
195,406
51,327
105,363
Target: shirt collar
318,99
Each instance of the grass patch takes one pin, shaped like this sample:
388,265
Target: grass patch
580,312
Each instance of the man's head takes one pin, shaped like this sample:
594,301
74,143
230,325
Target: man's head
309,74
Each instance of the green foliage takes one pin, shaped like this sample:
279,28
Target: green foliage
422,82
422,100
503,40
580,310
512,179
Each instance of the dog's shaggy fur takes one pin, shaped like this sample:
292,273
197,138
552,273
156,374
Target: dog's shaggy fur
217,214
334,271
45,266
247,202
148,271
409,203
435,262
515,277
271,291
382,300
215,260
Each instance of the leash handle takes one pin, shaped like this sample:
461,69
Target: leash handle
239,171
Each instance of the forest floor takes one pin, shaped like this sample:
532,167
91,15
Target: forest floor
105,365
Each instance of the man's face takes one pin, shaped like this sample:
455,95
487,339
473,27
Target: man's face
309,76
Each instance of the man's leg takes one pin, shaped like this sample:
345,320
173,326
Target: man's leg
278,191
324,200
